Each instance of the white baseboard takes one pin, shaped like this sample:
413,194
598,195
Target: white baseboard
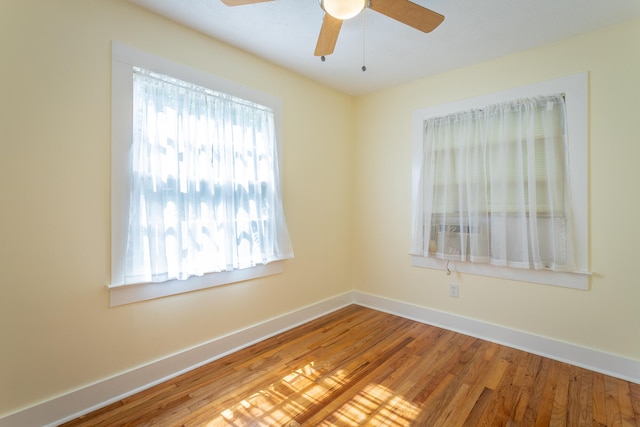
86,399
606,363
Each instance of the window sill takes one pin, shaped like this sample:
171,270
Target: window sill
127,294
565,279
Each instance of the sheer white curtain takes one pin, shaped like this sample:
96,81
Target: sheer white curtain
205,191
493,187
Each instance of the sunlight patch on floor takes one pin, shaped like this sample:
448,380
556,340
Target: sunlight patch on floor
280,402
374,405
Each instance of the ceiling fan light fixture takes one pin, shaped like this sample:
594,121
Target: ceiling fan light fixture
343,9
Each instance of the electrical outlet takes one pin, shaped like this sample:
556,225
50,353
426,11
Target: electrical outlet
454,291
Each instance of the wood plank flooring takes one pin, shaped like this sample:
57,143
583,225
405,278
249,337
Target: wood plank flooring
361,367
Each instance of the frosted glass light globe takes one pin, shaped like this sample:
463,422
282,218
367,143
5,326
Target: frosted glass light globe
343,9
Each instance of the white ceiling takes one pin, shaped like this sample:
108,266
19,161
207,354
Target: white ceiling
285,32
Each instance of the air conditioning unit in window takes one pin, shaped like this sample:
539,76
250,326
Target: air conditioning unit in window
453,240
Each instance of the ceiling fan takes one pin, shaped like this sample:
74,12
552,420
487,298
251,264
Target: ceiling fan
336,11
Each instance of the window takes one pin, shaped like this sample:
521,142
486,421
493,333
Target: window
499,188
196,194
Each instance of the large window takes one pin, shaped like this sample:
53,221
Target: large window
494,189
196,187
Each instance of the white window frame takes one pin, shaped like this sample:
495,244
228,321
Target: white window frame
575,88
123,59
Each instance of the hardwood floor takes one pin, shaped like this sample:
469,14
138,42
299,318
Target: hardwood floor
358,366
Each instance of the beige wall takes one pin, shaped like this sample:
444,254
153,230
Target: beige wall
57,332
607,317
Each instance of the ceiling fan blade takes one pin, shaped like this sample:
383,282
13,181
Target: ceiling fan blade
241,2
328,35
408,13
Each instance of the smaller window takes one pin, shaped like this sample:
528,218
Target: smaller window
493,189
196,185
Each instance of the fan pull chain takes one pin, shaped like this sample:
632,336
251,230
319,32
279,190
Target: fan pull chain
364,21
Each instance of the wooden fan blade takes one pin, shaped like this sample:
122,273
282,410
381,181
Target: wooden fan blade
241,2
408,13
328,35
